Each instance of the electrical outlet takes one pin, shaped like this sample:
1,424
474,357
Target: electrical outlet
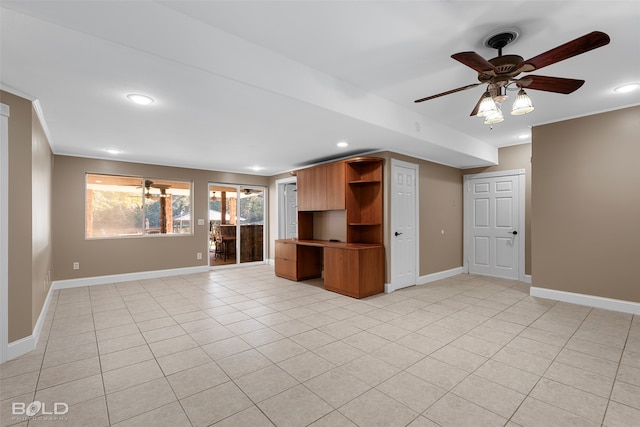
199,255
76,265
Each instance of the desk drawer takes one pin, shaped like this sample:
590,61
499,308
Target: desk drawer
286,268
286,250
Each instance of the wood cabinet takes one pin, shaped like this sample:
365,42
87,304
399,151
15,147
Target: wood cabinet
354,267
310,189
335,189
321,188
356,272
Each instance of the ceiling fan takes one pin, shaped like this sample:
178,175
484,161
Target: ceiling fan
500,72
148,184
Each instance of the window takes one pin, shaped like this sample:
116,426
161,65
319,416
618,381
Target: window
122,206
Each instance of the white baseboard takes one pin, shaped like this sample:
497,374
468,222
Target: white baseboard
440,275
388,287
587,300
29,343
270,261
20,347
527,279
126,277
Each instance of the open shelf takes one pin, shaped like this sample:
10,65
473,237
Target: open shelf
364,181
364,200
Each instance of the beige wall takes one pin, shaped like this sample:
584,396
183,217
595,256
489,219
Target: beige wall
440,199
30,171
20,323
102,257
586,205
509,158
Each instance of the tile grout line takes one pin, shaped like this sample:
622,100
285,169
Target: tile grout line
615,378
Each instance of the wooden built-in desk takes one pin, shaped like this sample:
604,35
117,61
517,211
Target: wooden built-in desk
353,269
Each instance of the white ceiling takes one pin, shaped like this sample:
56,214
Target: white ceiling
277,84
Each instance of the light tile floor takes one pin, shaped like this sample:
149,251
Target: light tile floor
241,347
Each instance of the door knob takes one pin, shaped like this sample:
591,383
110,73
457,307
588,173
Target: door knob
514,232
397,234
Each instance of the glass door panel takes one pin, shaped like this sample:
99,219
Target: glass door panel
251,219
223,210
236,224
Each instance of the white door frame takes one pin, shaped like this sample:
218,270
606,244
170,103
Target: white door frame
4,232
395,162
468,215
280,206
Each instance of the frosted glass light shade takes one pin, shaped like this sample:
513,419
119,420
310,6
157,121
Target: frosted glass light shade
494,117
522,104
487,106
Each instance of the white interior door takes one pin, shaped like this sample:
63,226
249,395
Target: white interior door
404,252
493,231
291,210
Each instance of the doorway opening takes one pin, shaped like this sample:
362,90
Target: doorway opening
287,208
236,224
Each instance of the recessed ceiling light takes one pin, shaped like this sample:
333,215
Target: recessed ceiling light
342,144
140,99
523,136
627,88
256,168
112,151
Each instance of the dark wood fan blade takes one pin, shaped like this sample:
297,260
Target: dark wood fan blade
575,47
550,84
475,61
477,107
448,92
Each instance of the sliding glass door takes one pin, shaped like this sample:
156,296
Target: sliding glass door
236,224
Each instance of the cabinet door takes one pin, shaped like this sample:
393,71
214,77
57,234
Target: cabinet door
335,185
319,188
305,189
342,271
357,273
312,191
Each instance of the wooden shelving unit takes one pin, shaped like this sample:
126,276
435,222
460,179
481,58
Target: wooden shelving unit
364,200
354,267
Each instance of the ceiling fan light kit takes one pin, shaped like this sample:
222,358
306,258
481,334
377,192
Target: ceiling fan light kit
500,72
522,104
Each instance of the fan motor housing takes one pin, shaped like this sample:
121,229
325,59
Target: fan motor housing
505,65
